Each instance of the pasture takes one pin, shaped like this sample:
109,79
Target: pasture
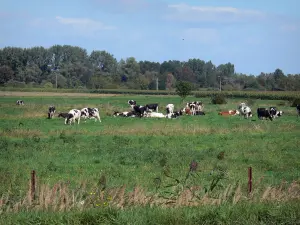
144,157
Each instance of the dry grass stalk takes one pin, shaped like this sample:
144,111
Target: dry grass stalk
237,195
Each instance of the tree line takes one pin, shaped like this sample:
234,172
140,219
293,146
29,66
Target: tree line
65,66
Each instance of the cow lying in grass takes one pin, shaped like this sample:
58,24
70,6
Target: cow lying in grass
125,114
90,113
73,115
51,112
229,113
174,115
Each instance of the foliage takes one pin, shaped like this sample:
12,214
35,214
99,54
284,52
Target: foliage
218,99
295,102
75,67
183,89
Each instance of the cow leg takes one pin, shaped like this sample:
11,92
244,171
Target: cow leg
78,120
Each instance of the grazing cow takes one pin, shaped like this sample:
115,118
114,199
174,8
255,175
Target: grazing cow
63,115
51,112
245,110
298,109
150,107
264,113
170,108
132,103
125,114
20,102
73,115
90,113
155,115
140,110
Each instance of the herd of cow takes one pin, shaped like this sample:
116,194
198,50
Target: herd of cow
151,111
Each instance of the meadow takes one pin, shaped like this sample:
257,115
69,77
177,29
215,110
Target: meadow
132,170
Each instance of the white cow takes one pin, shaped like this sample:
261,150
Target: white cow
90,113
73,115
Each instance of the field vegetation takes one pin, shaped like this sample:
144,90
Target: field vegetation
189,170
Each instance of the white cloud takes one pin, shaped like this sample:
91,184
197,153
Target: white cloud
84,26
188,13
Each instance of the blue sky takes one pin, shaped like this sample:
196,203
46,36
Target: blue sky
255,35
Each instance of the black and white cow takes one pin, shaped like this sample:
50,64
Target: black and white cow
51,112
275,113
132,103
263,113
298,109
90,113
140,110
245,110
20,102
73,115
170,108
125,114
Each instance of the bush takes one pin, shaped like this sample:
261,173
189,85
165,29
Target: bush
295,102
218,99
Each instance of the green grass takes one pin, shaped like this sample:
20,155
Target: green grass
140,152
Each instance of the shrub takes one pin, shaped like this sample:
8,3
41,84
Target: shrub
218,99
295,102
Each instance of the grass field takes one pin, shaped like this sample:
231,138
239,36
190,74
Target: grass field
124,162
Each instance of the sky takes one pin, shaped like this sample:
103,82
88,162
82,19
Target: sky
255,35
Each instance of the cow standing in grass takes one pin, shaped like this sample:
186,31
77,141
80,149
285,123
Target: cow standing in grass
245,110
298,110
73,115
51,112
90,113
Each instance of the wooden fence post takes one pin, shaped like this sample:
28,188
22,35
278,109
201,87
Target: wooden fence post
249,180
33,183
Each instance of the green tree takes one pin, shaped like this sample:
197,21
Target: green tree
183,89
